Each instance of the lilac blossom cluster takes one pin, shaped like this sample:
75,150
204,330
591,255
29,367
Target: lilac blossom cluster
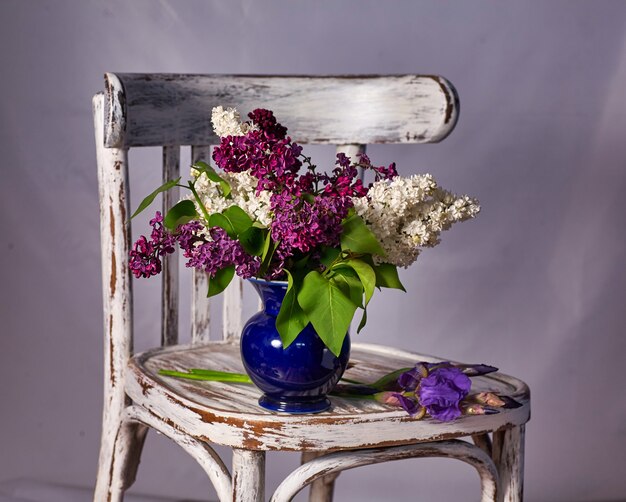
145,256
209,251
302,209
307,208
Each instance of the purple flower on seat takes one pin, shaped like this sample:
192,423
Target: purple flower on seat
442,391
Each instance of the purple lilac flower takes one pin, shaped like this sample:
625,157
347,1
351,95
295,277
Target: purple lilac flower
218,253
442,391
144,257
302,225
267,153
267,123
381,173
208,255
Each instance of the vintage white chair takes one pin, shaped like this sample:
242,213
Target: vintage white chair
174,110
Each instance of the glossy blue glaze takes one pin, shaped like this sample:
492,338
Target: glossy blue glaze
295,379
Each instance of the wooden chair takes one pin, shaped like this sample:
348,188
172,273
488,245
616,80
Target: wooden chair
174,110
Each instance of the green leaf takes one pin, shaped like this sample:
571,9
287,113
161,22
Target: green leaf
221,280
328,308
328,255
348,281
148,200
239,219
366,275
253,240
358,238
208,375
233,219
179,214
387,276
363,321
219,220
269,247
291,319
213,176
389,381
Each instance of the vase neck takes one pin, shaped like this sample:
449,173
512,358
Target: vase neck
271,293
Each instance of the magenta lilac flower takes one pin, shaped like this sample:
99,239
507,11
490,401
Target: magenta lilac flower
207,254
144,259
219,252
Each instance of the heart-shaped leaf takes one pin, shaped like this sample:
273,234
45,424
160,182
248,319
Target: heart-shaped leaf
365,272
220,281
179,214
358,238
253,240
328,308
348,281
291,319
387,276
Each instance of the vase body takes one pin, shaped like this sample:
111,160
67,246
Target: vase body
295,379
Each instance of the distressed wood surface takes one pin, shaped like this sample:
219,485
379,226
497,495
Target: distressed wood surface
229,414
483,441
343,460
248,476
321,489
202,453
162,109
169,280
508,454
232,309
118,445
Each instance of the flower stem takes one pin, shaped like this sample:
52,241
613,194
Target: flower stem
197,197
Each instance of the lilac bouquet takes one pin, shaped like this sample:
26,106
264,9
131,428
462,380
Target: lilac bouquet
270,213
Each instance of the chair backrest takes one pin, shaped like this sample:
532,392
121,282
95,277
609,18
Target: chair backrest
172,111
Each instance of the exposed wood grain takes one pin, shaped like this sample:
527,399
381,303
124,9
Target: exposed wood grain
158,109
169,284
321,489
117,305
233,306
127,447
248,476
208,459
200,304
340,461
483,441
229,413
114,120
508,454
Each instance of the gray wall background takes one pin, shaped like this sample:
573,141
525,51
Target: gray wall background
535,285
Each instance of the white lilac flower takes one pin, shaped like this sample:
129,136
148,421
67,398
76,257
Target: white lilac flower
407,214
227,122
243,194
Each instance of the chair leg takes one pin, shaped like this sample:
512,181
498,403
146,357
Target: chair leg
508,455
248,475
321,490
120,451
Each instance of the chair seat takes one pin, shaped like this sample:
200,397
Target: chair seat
228,414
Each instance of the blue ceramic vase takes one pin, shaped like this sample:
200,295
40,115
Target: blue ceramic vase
295,379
